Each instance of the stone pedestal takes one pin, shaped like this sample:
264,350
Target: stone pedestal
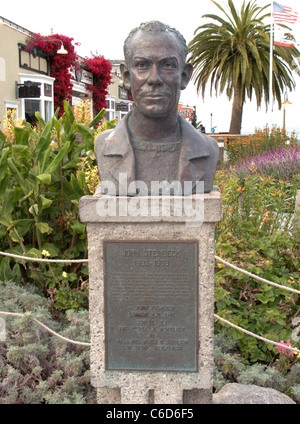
150,329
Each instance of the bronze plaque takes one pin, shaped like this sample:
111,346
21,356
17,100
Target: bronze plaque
151,301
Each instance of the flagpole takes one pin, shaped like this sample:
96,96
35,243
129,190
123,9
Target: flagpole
271,66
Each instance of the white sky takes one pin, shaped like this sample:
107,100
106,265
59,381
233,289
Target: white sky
102,27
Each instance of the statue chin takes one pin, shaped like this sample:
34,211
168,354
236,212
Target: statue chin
155,111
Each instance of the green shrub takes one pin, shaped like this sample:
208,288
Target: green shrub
44,171
256,235
231,367
240,148
37,367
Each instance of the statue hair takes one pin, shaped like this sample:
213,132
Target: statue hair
155,26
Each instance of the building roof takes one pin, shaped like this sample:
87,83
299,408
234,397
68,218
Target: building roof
15,26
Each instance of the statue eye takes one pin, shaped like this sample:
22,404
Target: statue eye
143,64
169,65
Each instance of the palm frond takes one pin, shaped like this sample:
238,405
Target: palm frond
233,51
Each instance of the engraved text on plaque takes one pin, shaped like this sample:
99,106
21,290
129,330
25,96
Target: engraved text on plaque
151,301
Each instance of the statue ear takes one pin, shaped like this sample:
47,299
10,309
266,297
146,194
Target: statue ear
186,75
125,75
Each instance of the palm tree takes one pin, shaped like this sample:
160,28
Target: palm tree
234,54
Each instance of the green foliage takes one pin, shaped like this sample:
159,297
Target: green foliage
37,367
255,234
44,172
268,139
231,367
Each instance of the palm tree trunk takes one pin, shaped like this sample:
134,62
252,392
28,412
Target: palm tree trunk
237,112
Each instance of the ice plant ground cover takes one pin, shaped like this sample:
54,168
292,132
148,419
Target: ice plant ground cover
40,368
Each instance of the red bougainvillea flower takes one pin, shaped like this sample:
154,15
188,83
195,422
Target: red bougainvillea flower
101,70
59,64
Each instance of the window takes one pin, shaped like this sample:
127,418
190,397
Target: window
33,60
110,109
48,110
12,106
31,106
109,115
43,104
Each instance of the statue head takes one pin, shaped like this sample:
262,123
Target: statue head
157,27
155,68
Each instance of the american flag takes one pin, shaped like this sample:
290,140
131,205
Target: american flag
285,14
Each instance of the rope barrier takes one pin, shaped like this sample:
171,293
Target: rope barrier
76,261
255,335
216,316
47,328
263,280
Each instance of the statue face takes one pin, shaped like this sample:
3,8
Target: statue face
156,73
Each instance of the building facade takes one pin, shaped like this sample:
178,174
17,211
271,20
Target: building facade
118,101
187,112
25,82
27,87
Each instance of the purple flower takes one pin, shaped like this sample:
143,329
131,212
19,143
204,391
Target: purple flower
283,163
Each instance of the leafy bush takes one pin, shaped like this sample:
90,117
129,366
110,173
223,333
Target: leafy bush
231,367
44,171
254,234
38,367
256,204
261,141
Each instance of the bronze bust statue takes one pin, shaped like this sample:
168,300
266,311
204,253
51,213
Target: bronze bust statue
153,143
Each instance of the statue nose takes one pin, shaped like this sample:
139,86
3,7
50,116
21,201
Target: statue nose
154,77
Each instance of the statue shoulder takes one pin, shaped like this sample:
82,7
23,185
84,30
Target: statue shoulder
210,143
103,137
113,142
199,143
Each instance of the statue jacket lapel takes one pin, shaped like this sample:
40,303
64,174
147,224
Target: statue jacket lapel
116,160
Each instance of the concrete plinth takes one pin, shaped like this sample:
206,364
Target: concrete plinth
148,386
